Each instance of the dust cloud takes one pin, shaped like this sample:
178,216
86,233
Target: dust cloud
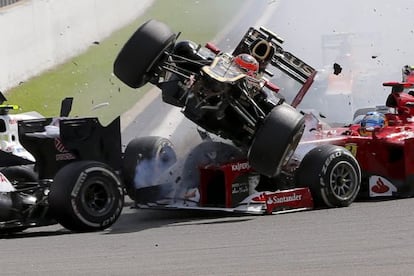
370,40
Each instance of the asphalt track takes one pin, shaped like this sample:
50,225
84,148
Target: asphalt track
367,238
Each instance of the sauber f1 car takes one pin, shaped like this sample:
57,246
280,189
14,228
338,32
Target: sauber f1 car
250,132
73,179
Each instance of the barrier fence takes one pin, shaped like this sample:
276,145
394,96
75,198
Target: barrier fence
7,2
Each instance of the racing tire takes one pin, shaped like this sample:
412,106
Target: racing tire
149,157
276,140
86,196
332,174
135,62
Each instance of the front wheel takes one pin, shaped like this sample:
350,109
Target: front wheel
276,140
332,174
139,56
86,196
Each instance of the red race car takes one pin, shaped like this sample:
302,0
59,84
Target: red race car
382,142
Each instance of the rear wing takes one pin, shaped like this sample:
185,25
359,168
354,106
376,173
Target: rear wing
266,47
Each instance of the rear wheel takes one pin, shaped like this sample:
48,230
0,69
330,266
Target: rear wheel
145,159
333,175
276,140
137,60
86,196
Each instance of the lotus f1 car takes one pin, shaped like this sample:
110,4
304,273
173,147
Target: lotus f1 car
246,169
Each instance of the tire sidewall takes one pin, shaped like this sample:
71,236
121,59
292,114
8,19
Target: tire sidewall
67,196
115,194
142,52
315,172
327,194
276,139
145,149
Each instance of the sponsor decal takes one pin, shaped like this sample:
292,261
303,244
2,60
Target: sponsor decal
326,165
59,146
282,199
237,188
380,186
329,160
297,63
352,147
240,167
298,198
77,204
63,154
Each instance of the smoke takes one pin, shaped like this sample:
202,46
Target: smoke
180,179
380,35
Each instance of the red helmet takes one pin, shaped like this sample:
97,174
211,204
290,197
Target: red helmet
247,63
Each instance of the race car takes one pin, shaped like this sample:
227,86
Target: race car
250,132
225,94
11,150
75,180
382,142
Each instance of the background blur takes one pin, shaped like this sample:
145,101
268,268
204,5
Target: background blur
371,40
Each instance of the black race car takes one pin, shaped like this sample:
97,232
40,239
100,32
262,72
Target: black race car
249,131
74,180
226,94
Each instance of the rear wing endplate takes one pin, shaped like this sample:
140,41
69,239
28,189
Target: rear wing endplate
285,61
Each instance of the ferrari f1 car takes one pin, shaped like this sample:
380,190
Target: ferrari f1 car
251,132
382,141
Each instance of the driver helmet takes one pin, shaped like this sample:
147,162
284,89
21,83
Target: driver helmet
247,63
372,120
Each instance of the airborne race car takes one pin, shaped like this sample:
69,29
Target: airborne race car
248,168
81,171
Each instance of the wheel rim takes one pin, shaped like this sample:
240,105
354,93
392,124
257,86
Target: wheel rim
165,155
343,180
97,199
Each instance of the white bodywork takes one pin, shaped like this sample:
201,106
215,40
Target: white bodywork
9,135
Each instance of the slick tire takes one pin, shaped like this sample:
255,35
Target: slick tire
138,58
86,196
332,174
276,140
146,157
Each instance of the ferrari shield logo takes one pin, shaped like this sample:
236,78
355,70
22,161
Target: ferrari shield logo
352,147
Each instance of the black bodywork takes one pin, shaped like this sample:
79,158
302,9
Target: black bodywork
79,140
232,110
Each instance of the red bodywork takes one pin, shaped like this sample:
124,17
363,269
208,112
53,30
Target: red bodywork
230,185
386,154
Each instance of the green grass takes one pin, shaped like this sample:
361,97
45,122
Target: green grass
88,77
